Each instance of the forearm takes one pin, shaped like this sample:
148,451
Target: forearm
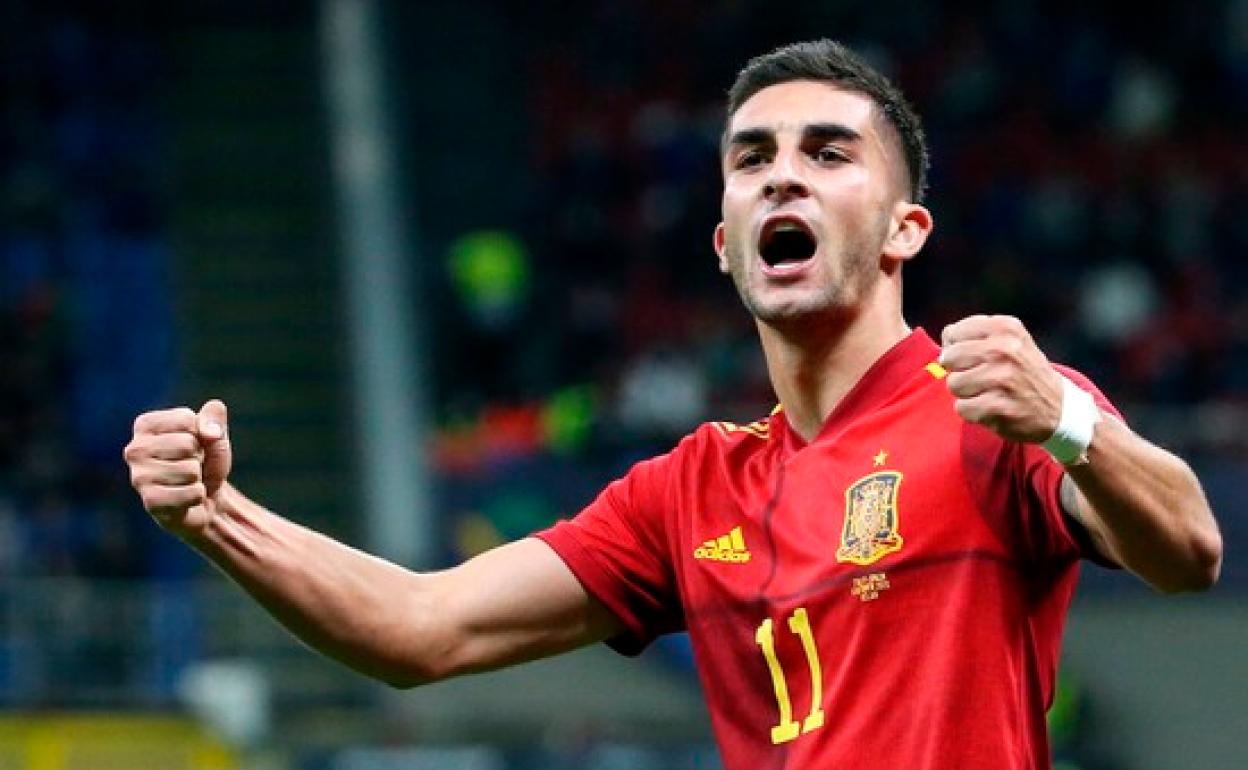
1146,510
514,603
367,613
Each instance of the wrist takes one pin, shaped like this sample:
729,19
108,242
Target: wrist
1075,427
217,506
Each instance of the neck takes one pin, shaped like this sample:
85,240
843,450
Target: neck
814,365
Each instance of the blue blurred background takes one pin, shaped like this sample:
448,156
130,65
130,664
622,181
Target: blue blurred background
450,266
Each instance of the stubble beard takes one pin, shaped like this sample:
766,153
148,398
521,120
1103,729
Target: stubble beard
840,296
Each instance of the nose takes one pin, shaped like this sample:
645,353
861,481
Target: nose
785,181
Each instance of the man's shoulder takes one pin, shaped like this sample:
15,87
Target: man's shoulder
728,432
715,453
720,437
723,438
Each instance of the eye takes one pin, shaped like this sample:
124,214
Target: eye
750,158
830,154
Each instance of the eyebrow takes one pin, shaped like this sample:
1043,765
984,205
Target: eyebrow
748,136
830,131
818,131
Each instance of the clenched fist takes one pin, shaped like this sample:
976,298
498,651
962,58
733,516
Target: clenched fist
178,461
1000,379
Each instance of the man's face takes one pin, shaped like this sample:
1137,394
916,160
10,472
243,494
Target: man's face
810,183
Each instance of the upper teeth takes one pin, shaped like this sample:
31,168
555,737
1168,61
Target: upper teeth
786,226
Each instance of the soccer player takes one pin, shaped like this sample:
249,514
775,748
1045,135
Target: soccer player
874,576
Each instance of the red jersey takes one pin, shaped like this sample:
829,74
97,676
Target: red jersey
889,596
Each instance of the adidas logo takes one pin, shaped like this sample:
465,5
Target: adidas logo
729,548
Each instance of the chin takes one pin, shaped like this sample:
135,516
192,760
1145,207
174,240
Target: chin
804,311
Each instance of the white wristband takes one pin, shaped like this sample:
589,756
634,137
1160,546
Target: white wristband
1070,441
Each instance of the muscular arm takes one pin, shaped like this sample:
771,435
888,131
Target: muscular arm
1144,509
1143,506
512,604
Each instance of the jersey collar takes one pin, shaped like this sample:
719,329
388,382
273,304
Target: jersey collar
889,372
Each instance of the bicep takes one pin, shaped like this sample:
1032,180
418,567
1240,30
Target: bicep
515,603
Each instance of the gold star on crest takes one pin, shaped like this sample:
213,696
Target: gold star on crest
880,459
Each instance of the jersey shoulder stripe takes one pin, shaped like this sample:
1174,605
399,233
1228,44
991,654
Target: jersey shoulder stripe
760,429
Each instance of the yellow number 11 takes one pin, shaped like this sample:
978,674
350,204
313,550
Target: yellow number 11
788,729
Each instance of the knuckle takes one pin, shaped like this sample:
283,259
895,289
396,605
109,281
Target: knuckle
1001,411
989,410
1012,326
180,446
149,422
1005,348
958,383
152,498
951,330
175,445
191,471
997,378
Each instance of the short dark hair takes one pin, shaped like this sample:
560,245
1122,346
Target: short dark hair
831,62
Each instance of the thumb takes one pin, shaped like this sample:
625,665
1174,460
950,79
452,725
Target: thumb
213,427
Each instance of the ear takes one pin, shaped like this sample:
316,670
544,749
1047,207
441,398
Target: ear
908,231
718,239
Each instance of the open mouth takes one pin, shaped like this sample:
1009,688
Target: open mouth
786,243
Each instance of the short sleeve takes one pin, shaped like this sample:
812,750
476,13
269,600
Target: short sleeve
617,547
1053,532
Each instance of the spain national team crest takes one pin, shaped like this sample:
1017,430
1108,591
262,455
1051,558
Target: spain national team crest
870,530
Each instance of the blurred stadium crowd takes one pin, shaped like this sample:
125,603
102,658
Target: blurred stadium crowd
85,335
1089,176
